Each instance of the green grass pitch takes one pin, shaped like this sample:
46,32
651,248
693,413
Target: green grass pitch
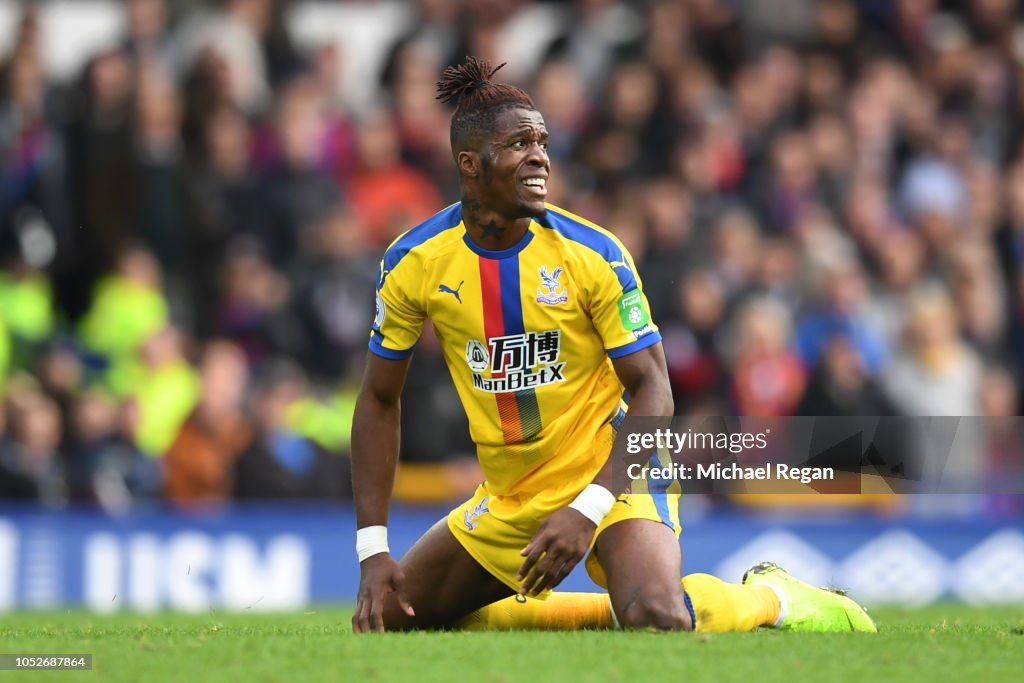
942,643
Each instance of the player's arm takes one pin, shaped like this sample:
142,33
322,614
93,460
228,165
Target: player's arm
375,439
563,538
644,374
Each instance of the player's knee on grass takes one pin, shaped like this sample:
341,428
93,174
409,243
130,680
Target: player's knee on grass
395,618
664,611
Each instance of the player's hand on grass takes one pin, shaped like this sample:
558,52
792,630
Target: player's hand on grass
380,575
560,543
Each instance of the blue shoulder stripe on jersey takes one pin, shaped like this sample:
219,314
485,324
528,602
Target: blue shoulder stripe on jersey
446,219
379,349
595,240
642,343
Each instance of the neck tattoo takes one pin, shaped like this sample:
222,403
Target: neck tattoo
491,230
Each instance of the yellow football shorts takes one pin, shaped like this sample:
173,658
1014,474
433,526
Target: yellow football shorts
494,529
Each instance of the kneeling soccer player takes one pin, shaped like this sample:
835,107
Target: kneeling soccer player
544,325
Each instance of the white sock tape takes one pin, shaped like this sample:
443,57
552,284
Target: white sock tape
783,607
371,540
594,503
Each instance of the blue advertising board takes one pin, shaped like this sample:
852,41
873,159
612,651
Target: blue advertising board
284,558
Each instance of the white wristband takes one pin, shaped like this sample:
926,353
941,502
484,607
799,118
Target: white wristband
594,503
371,540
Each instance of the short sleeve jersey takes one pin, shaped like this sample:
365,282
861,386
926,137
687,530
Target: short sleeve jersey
527,333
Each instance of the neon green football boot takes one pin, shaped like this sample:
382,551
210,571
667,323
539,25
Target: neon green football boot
806,608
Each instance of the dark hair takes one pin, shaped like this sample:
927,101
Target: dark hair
478,100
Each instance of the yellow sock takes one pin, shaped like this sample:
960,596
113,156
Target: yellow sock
560,612
722,607
719,607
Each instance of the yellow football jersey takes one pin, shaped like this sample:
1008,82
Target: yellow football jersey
527,333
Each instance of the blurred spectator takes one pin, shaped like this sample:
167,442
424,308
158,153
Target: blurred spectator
104,466
222,192
99,151
791,187
340,146
559,94
902,262
1004,444
934,196
841,307
252,310
595,30
61,374
205,91
386,194
128,307
165,390
297,190
26,309
842,385
667,209
978,293
159,221
33,190
779,272
232,32
280,463
695,366
624,145
148,37
200,462
421,121
767,378
282,57
334,277
736,248
30,464
435,31
935,373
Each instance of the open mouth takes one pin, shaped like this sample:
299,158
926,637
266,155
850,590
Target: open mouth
537,186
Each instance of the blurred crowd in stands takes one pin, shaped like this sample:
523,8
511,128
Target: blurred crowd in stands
825,199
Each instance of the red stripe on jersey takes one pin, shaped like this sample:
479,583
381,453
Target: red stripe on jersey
494,326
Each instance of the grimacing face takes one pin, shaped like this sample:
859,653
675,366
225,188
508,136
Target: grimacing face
515,165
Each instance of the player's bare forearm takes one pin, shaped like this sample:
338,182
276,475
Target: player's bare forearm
374,457
375,438
645,376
